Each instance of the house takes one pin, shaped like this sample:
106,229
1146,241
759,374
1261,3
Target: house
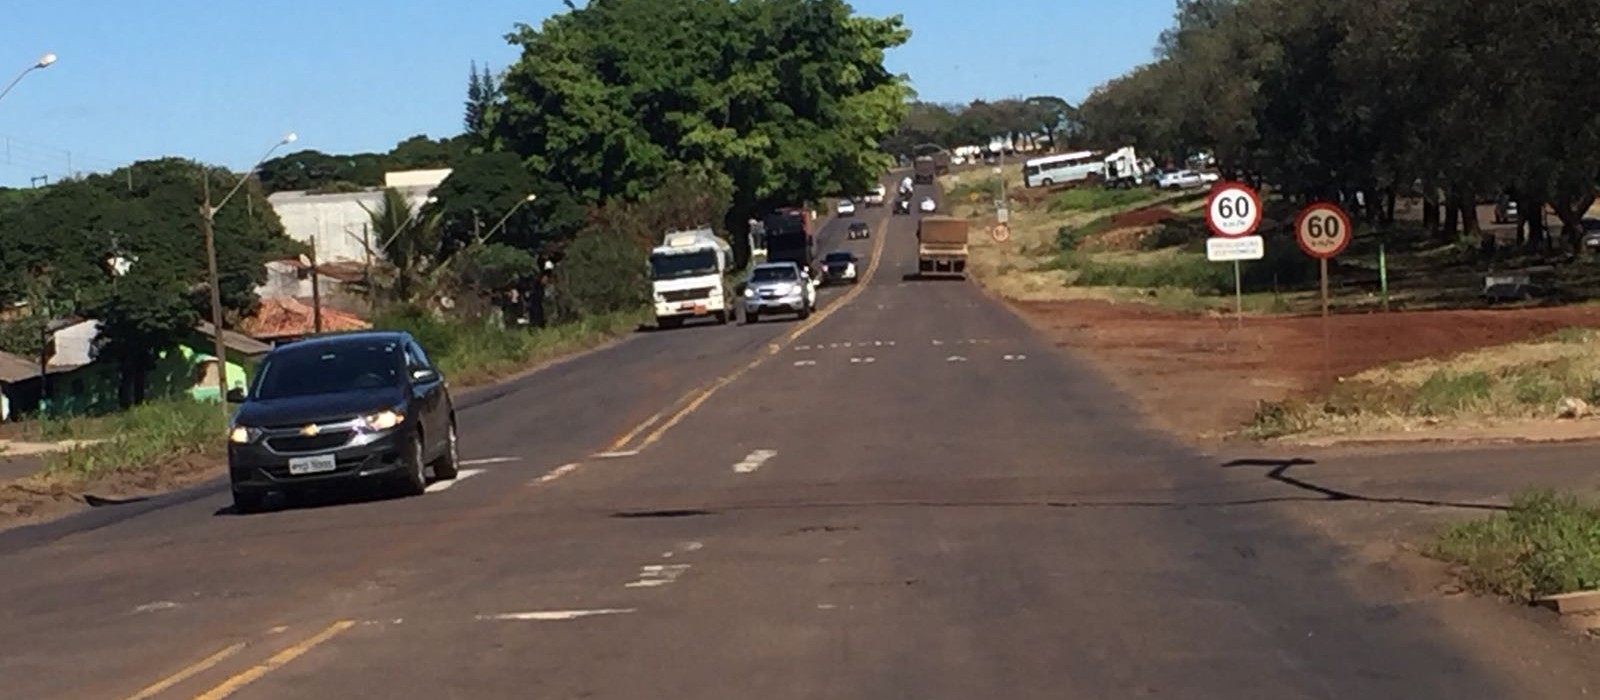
280,320
78,383
339,222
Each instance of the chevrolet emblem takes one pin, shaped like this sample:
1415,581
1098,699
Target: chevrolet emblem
310,431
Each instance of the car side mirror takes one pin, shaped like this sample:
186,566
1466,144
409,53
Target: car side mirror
424,375
235,395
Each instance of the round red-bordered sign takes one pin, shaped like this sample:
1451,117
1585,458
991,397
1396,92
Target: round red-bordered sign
1233,210
1323,230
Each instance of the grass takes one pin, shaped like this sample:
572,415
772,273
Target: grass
473,352
1168,269
149,434
1547,544
1518,381
1097,199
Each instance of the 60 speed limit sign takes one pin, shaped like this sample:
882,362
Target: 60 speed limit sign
1234,210
1323,230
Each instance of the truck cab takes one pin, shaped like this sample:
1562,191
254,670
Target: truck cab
688,278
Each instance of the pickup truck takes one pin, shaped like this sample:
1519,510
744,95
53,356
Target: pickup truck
942,246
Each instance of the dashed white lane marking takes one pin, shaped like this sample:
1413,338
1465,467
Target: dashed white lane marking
654,575
157,606
802,347
826,606
462,475
955,358
556,615
937,343
863,360
617,455
1015,358
845,344
684,548
489,460
558,472
805,363
754,460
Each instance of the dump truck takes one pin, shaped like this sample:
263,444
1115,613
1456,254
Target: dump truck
942,246
925,170
789,236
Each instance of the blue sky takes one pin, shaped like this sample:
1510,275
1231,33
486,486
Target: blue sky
222,81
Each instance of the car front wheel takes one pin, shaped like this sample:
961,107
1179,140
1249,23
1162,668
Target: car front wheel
245,502
416,476
449,464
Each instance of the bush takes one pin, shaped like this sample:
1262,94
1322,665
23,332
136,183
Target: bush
1069,238
475,350
1095,199
1177,232
1546,544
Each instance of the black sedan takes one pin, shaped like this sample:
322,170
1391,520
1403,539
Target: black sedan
858,230
363,409
839,267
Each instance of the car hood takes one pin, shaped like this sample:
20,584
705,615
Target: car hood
772,284
320,408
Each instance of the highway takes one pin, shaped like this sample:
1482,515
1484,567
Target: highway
908,496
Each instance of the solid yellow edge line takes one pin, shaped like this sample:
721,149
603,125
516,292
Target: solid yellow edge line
254,673
705,395
188,672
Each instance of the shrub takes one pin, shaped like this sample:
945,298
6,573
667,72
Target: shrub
1546,544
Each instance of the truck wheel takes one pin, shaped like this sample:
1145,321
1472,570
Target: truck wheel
722,318
666,323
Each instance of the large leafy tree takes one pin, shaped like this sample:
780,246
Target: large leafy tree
70,233
785,100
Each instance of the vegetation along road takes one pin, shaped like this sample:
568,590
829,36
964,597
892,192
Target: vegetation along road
1084,464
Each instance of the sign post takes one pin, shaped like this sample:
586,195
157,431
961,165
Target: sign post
1234,213
1323,231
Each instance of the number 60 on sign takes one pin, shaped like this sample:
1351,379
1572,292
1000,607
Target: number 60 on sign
1323,230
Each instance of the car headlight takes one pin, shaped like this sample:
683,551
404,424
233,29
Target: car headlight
241,435
850,270
383,420
749,293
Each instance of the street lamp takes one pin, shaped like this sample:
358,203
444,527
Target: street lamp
208,215
44,61
507,217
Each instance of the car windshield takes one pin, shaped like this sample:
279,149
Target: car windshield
773,274
839,258
328,368
668,266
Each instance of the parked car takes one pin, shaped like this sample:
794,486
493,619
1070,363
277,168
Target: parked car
839,266
846,208
1184,179
361,409
858,230
928,206
781,287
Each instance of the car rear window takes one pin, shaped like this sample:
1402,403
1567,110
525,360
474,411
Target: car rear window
838,257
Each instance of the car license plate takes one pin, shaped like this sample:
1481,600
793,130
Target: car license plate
312,465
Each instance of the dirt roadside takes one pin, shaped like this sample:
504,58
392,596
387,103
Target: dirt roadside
1203,377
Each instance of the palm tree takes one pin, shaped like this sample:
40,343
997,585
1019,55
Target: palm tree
407,238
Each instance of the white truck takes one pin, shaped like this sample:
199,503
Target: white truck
1124,168
688,277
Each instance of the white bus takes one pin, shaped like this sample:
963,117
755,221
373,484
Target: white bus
1062,169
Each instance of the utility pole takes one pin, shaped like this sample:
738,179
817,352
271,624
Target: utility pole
207,227
316,289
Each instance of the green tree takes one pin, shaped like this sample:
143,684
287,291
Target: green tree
482,91
409,241
786,100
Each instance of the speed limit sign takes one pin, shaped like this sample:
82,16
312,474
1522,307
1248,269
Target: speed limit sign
1234,210
1323,230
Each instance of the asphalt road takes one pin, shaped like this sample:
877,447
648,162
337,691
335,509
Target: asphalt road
910,496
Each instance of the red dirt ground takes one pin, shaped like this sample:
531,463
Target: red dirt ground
1144,217
1201,376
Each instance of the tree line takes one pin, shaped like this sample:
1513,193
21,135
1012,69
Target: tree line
625,118
978,123
1452,102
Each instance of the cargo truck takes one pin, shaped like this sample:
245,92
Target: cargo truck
942,246
924,170
789,236
688,277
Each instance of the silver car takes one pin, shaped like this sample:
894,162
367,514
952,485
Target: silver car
778,288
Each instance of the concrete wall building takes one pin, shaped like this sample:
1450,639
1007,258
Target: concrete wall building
339,221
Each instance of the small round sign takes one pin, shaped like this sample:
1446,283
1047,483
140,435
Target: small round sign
1323,230
1234,210
1001,232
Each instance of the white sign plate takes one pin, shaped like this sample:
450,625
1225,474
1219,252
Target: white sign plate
1231,249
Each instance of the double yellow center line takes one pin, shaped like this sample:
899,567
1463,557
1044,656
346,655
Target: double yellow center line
250,675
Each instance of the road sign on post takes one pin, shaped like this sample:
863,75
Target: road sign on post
1234,213
1324,231
1234,210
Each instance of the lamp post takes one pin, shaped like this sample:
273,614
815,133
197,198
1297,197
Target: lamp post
506,218
44,61
207,225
